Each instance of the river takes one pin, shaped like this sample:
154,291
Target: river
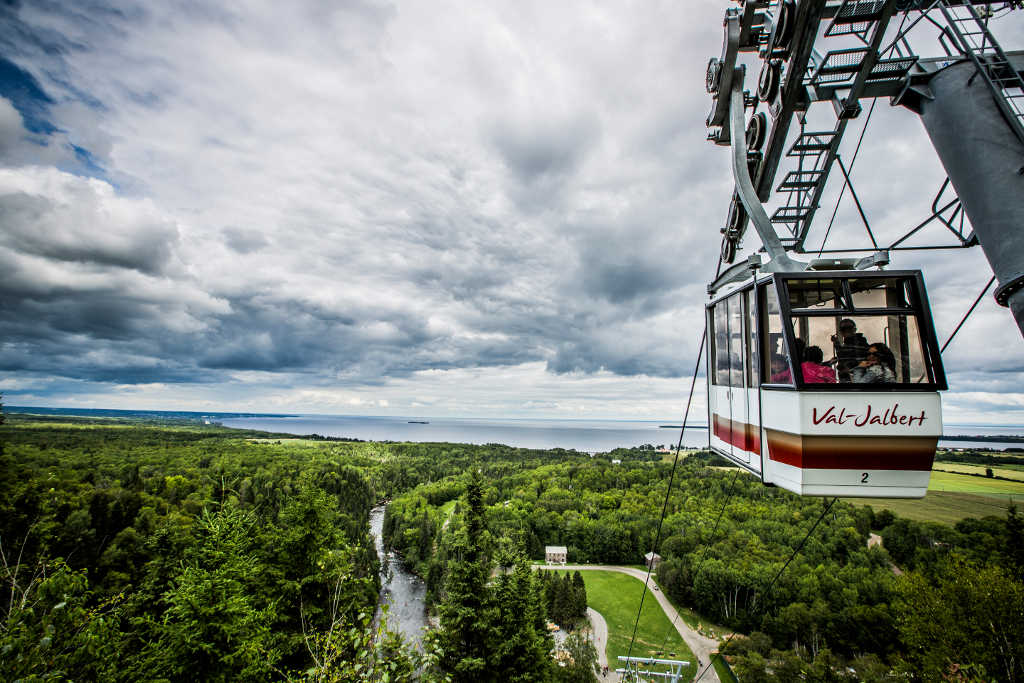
401,590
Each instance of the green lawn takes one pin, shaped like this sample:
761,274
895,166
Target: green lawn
724,671
617,597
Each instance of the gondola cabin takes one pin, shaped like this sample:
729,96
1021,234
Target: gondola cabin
826,383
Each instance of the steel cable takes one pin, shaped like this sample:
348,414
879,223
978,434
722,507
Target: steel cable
771,585
668,491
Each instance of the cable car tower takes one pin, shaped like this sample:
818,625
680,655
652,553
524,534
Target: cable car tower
824,373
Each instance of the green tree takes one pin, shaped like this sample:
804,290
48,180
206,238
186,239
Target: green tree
347,652
581,665
520,644
579,590
826,668
213,624
1015,543
462,642
50,627
752,668
562,605
969,615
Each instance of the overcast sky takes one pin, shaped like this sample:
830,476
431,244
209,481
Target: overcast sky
419,208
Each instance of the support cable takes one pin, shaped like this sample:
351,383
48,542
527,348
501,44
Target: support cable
846,180
668,491
856,151
771,585
968,313
707,546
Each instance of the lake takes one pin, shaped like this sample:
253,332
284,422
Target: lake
591,436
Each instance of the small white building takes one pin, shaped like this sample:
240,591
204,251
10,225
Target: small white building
652,559
555,554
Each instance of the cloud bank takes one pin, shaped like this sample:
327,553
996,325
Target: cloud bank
373,207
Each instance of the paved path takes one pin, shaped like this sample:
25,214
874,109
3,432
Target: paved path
701,646
600,629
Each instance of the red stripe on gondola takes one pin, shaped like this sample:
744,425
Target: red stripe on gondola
746,437
852,452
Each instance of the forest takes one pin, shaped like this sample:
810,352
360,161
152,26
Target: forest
140,552
932,600
177,551
133,550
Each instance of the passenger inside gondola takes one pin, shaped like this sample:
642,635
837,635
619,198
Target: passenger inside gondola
814,369
850,349
780,371
879,367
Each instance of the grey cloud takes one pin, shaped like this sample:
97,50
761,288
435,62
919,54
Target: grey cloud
624,281
38,225
539,148
245,241
576,357
11,129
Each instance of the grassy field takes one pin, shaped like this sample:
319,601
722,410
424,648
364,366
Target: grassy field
939,506
1006,471
960,483
617,596
952,497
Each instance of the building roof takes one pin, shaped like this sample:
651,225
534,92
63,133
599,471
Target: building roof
648,556
555,549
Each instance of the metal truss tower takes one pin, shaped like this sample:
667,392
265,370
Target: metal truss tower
970,98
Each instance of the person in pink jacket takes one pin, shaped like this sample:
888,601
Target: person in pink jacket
814,370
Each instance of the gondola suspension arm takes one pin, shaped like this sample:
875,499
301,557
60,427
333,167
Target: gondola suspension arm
778,260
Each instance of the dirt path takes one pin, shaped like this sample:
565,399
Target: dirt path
701,646
875,539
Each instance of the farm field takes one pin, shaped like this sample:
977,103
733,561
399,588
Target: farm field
952,497
939,506
1006,471
960,483
617,596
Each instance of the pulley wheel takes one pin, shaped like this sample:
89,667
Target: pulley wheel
714,75
757,130
753,164
784,27
728,249
768,81
737,214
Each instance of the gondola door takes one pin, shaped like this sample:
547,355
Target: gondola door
730,406
739,424
752,425
719,405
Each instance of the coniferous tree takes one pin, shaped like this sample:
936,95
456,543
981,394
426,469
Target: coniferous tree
579,595
550,590
213,624
463,639
521,641
563,602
